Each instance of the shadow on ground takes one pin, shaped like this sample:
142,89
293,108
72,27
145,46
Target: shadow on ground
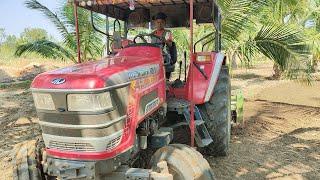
279,141
246,76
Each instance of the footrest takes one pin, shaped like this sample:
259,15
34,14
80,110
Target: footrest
206,142
198,122
161,138
202,136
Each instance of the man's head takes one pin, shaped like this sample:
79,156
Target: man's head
160,20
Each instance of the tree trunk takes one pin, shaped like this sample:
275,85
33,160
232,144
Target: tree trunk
277,71
234,63
314,64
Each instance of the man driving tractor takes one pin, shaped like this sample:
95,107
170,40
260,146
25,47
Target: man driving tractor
165,37
161,32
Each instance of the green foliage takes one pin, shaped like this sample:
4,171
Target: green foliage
91,42
21,84
2,35
8,46
29,35
271,28
244,34
277,42
238,17
33,34
44,48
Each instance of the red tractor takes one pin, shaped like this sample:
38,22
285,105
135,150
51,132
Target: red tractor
120,118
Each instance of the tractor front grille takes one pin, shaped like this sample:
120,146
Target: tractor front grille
66,146
79,144
113,143
83,131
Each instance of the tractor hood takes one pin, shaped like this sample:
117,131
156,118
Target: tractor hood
130,63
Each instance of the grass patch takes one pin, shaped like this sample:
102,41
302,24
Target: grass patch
17,85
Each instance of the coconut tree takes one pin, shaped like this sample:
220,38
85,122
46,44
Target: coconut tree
91,42
247,34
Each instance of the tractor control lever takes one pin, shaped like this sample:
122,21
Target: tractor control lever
185,66
180,64
200,70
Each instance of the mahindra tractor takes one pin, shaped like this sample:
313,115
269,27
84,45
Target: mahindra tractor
121,117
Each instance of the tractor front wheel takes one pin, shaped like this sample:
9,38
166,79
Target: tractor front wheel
183,162
25,163
217,115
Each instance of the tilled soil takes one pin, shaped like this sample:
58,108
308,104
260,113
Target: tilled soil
279,140
18,122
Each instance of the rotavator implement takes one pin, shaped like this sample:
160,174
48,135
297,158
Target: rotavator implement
120,118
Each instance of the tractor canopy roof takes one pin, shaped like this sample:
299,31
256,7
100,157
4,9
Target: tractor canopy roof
138,13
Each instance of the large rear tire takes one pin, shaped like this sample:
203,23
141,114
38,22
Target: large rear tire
217,115
25,164
183,163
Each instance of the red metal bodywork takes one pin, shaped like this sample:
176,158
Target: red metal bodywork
94,75
200,84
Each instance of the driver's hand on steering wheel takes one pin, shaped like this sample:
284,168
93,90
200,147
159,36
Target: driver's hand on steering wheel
168,42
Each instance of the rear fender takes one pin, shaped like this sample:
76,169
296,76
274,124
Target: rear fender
210,64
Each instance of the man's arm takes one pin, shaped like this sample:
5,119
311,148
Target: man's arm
168,38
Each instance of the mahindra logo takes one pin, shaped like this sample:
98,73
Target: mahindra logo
58,81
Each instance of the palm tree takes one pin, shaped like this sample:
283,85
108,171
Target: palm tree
91,42
247,33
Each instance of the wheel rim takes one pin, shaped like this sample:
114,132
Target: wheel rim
175,173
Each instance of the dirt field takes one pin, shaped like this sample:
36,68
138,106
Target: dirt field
280,139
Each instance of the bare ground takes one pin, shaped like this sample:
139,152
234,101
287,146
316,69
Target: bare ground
279,140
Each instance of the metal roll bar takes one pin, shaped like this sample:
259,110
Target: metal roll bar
96,29
114,25
207,43
203,38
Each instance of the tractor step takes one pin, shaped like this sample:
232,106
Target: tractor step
202,135
198,122
181,106
206,142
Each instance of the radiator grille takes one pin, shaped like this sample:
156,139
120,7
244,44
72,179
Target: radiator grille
65,146
113,143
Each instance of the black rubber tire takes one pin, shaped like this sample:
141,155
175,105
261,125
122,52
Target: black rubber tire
217,115
181,135
184,162
202,163
25,166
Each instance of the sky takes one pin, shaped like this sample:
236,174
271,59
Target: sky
15,17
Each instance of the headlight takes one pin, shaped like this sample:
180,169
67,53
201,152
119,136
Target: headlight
89,102
43,101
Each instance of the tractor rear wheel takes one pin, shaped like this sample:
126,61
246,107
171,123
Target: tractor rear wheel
183,163
25,164
217,115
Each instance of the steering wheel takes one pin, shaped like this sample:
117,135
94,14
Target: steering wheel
142,37
161,44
